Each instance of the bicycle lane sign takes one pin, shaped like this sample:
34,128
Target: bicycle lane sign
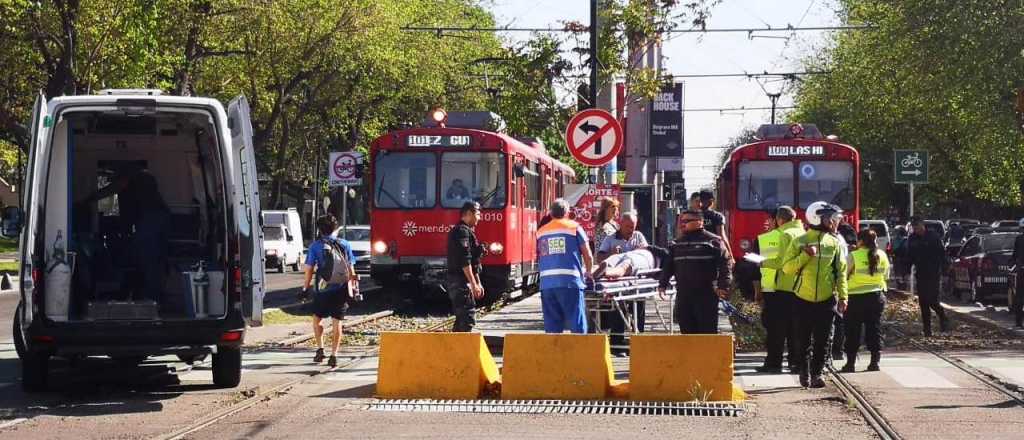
910,166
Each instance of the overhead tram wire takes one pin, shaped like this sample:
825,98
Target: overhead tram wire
440,30
735,109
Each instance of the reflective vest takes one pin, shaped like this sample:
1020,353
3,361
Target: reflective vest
768,243
862,281
558,255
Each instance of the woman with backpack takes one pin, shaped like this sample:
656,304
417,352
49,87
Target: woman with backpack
332,261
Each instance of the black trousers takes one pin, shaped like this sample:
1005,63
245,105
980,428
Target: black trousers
1018,310
697,311
814,333
463,305
780,327
928,298
864,313
838,333
613,320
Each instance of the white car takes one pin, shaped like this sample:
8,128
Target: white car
358,236
282,247
881,228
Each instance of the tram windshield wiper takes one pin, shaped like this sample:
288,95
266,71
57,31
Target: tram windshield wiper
381,190
487,198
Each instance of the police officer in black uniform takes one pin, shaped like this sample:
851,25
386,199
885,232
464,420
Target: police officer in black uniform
463,283
702,266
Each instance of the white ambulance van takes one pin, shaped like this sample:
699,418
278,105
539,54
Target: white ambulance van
100,275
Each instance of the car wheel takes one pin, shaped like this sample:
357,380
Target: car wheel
19,336
295,267
280,266
35,370
227,367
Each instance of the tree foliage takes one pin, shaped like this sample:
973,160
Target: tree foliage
935,75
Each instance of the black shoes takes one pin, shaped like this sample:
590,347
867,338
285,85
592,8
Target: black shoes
848,368
319,356
838,356
805,381
332,361
769,369
875,357
817,382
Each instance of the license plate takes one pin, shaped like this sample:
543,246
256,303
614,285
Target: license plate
994,279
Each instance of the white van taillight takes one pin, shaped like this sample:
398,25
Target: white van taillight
37,278
236,277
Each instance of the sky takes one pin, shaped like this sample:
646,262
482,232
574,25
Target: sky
705,133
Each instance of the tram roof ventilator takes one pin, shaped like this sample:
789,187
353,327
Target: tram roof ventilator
487,121
788,131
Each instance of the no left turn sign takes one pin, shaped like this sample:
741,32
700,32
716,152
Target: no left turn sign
594,137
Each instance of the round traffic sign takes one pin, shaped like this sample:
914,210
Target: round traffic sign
594,137
344,166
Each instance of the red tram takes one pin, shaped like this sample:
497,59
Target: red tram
788,165
422,176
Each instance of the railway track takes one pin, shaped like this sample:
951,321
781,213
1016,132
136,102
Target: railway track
874,417
257,395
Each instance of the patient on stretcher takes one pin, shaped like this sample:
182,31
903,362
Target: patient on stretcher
630,263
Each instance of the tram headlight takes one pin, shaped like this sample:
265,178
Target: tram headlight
380,248
745,245
495,248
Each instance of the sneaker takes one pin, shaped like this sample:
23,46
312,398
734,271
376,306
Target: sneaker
848,368
768,369
817,382
332,361
873,367
319,356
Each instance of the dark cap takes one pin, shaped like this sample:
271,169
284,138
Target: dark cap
707,195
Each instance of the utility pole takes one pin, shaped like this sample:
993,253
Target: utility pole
774,97
593,54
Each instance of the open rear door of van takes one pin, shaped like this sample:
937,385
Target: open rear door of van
249,219
32,201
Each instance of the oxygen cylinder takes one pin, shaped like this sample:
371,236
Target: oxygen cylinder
58,281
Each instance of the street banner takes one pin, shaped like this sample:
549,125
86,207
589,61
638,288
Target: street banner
666,134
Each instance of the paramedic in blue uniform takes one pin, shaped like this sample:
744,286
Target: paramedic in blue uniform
463,281
702,266
330,300
565,261
146,218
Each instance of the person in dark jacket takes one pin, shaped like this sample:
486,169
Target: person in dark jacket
926,254
463,282
1018,260
702,267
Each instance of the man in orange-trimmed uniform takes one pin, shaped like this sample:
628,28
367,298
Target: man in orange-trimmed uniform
565,261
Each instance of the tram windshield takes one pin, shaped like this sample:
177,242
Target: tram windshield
479,177
829,181
764,185
405,180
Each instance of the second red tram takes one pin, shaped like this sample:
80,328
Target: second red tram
422,176
790,165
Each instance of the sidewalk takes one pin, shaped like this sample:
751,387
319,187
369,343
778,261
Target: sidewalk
992,316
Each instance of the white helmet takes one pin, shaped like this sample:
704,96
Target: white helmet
814,211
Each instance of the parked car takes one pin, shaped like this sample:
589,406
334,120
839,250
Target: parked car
962,221
287,217
282,247
358,237
881,228
1006,224
983,266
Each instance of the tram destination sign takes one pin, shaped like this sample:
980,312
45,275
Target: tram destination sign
795,150
423,140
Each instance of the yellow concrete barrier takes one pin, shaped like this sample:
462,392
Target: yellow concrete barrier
435,366
682,368
556,366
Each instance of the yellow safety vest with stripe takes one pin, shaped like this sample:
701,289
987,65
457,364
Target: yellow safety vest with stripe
862,281
768,243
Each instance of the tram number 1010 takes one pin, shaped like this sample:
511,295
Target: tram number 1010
437,141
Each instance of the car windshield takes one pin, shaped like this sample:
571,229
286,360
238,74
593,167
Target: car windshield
880,229
357,235
998,242
273,233
828,181
936,228
764,185
478,177
405,180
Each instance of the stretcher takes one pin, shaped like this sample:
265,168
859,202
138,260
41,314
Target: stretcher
622,295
